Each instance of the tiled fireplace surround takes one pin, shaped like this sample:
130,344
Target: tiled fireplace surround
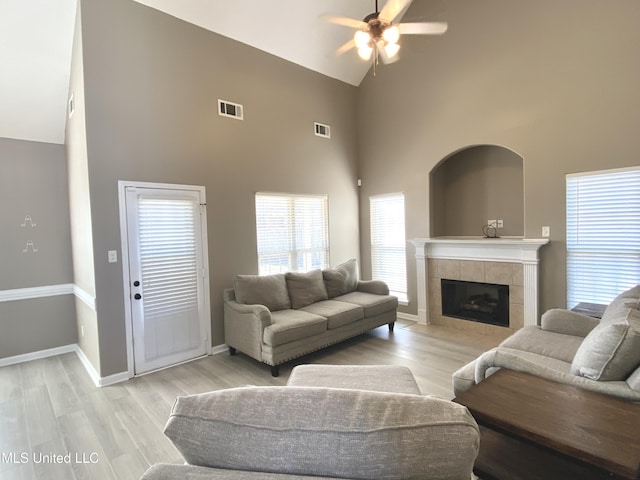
504,261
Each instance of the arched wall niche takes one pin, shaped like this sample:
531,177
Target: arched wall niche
475,184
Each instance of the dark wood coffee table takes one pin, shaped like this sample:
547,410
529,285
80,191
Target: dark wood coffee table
533,428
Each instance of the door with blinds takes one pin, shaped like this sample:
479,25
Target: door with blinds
166,249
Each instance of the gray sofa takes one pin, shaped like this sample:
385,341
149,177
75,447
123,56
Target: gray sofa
568,347
330,421
276,318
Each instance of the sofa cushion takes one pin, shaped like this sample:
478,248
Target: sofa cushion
305,288
169,471
549,344
372,304
325,432
375,378
290,325
611,351
268,290
342,278
336,313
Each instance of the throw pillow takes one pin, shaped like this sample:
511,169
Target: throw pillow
342,278
611,351
267,290
628,299
305,288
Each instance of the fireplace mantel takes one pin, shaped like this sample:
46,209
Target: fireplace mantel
504,249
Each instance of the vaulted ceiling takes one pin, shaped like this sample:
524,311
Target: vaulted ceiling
36,39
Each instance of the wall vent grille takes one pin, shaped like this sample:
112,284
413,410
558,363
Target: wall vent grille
230,109
322,130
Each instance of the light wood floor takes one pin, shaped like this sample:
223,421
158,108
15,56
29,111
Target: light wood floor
55,424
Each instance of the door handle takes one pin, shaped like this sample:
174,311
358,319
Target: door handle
137,296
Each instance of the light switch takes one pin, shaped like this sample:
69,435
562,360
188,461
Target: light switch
113,256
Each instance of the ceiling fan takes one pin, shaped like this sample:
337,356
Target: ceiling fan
377,35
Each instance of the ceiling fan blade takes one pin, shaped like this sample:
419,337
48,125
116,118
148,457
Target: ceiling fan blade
345,47
427,28
344,21
393,8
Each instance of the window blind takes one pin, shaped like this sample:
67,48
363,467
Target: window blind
292,232
168,259
603,234
388,255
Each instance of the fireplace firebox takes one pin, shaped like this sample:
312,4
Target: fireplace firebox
478,302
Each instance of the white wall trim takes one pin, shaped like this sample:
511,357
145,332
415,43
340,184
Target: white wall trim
219,349
99,381
27,357
85,297
407,316
36,292
30,293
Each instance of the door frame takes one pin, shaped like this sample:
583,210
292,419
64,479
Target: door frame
126,277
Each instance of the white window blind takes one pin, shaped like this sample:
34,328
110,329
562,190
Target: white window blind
388,256
603,234
292,232
168,259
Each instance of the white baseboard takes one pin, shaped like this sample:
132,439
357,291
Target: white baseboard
95,377
407,316
51,352
27,357
219,349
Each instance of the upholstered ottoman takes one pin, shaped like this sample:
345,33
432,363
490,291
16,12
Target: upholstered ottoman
375,378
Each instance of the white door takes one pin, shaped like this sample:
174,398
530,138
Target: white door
167,275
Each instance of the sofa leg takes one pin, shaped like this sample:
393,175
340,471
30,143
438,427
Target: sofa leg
391,325
275,370
232,351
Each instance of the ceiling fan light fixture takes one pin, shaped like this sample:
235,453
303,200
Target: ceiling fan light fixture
391,35
365,52
362,39
391,49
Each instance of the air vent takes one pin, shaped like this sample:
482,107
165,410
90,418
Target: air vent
322,130
229,109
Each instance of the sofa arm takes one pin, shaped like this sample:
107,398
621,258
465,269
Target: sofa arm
244,326
377,287
567,322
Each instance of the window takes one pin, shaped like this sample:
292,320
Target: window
388,257
292,231
603,234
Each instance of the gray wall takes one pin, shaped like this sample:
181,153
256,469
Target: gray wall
80,207
33,183
556,82
151,89
474,185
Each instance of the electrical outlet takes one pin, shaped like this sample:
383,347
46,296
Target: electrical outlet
112,256
492,223
546,232
500,224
